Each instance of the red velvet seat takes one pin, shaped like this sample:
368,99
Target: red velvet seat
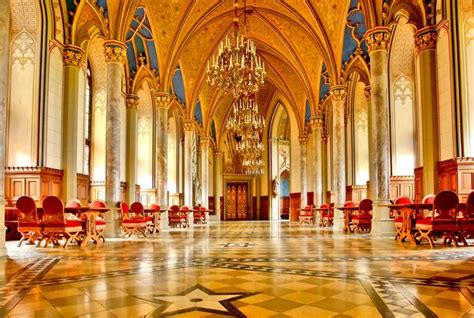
442,222
131,223
399,219
177,218
99,222
156,217
306,216
56,225
328,215
362,221
29,225
199,215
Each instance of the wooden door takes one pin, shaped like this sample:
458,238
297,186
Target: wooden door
237,201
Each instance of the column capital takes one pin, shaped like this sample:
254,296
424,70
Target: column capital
378,39
368,93
73,56
426,39
338,93
163,100
324,138
217,154
303,140
115,52
205,141
188,125
132,101
316,122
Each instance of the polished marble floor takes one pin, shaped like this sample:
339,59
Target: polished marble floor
253,269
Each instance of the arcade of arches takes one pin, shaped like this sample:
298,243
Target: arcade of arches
108,100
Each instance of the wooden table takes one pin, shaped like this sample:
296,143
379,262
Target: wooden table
348,210
312,210
156,218
408,211
91,227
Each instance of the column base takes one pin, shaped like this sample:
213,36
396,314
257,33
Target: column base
381,222
191,219
338,223
164,221
214,219
3,250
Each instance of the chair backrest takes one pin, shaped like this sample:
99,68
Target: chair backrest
53,210
365,206
470,205
349,204
445,202
26,209
202,209
403,200
98,204
324,206
184,209
154,207
429,199
136,207
74,203
124,210
308,207
174,209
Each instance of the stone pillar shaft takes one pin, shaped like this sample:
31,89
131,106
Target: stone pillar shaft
378,40
188,157
379,128
317,125
303,159
204,143
338,95
73,58
163,102
132,146
218,183
115,55
4,66
425,40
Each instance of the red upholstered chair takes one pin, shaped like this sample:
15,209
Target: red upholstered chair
442,222
399,219
177,218
132,224
156,217
29,225
185,210
99,222
428,199
199,215
56,224
138,211
306,216
466,224
362,221
328,216
349,204
323,209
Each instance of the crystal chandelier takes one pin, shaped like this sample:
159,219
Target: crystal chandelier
245,119
236,68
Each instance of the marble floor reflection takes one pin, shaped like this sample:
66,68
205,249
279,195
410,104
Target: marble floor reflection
253,269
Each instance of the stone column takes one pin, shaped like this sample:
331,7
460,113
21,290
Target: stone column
378,40
132,146
317,127
4,66
325,170
115,55
204,143
427,91
73,57
162,104
188,157
217,184
303,159
338,95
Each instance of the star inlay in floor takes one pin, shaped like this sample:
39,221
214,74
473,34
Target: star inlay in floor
199,298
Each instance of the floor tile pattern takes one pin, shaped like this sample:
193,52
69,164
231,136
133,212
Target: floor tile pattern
253,269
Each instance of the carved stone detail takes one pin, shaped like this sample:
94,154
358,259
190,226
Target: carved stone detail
368,93
338,93
378,39
163,100
188,125
205,141
303,140
426,39
316,123
132,101
73,56
115,52
217,154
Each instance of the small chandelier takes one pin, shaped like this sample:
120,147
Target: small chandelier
236,68
245,119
